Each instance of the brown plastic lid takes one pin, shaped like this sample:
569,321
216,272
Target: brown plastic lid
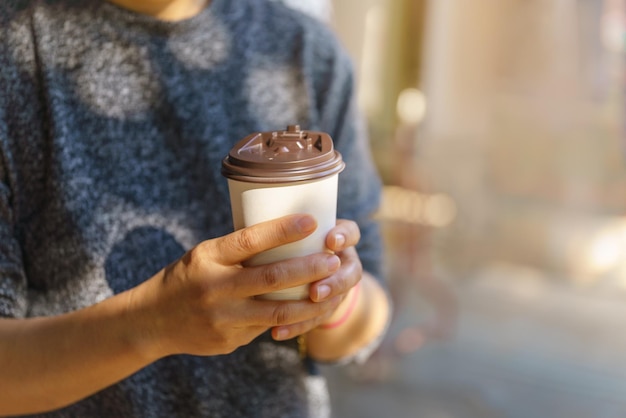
282,157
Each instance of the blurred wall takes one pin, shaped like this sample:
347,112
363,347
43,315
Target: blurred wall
524,129
384,39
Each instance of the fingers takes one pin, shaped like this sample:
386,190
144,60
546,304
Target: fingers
286,332
345,234
244,243
290,314
281,275
342,280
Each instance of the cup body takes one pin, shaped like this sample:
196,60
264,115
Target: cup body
278,173
253,203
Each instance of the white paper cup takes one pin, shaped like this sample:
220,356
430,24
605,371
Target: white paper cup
253,203
274,174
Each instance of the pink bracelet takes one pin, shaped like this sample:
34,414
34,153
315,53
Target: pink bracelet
348,311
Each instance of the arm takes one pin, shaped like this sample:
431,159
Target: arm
50,362
202,304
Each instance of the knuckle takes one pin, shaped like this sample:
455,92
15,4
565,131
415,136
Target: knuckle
270,276
281,315
246,240
283,231
193,258
319,266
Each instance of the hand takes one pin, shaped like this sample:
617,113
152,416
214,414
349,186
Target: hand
204,302
341,240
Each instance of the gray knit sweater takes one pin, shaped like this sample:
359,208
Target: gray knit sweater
112,129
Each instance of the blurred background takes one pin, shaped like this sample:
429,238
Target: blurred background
498,128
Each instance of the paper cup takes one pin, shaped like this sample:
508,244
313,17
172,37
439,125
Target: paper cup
274,174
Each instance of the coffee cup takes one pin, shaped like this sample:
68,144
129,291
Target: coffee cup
278,173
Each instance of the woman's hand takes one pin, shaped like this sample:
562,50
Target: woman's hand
204,303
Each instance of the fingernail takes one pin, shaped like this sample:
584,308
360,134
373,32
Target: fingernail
332,263
340,240
281,334
306,224
322,292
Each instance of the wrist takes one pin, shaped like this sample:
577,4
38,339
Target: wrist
144,330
